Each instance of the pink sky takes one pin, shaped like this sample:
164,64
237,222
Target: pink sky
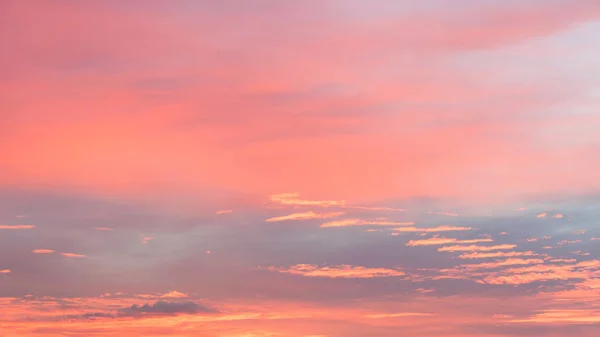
299,168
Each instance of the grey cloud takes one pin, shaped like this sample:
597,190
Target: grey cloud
166,308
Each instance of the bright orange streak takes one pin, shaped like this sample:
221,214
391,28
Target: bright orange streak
17,226
43,251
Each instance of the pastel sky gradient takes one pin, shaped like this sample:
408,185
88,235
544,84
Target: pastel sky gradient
314,168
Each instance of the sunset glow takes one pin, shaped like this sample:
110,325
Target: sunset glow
310,168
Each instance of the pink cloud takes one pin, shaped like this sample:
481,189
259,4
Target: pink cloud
305,216
432,229
475,248
43,251
72,255
360,222
443,241
478,255
103,229
338,271
17,226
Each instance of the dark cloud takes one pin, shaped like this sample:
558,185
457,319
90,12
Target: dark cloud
166,308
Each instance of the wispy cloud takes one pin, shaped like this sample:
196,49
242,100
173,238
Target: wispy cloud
5,271
477,255
562,316
401,314
360,222
443,241
338,271
224,211
103,229
43,251
475,248
17,226
305,216
72,255
432,229
582,270
295,200
444,213
502,263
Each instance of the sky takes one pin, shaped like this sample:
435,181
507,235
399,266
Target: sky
315,168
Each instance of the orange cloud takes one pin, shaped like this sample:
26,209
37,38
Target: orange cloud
17,226
338,271
294,200
541,215
507,262
224,211
4,271
72,255
305,216
475,248
105,229
43,251
432,230
401,314
174,294
359,222
477,255
443,241
375,208
563,316
582,270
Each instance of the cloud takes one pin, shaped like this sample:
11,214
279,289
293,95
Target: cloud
360,222
433,229
17,226
43,251
376,208
146,239
547,214
515,276
401,314
507,262
444,213
174,294
103,229
293,199
165,308
72,255
338,271
305,216
477,255
224,211
475,248
4,271
443,241
562,316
